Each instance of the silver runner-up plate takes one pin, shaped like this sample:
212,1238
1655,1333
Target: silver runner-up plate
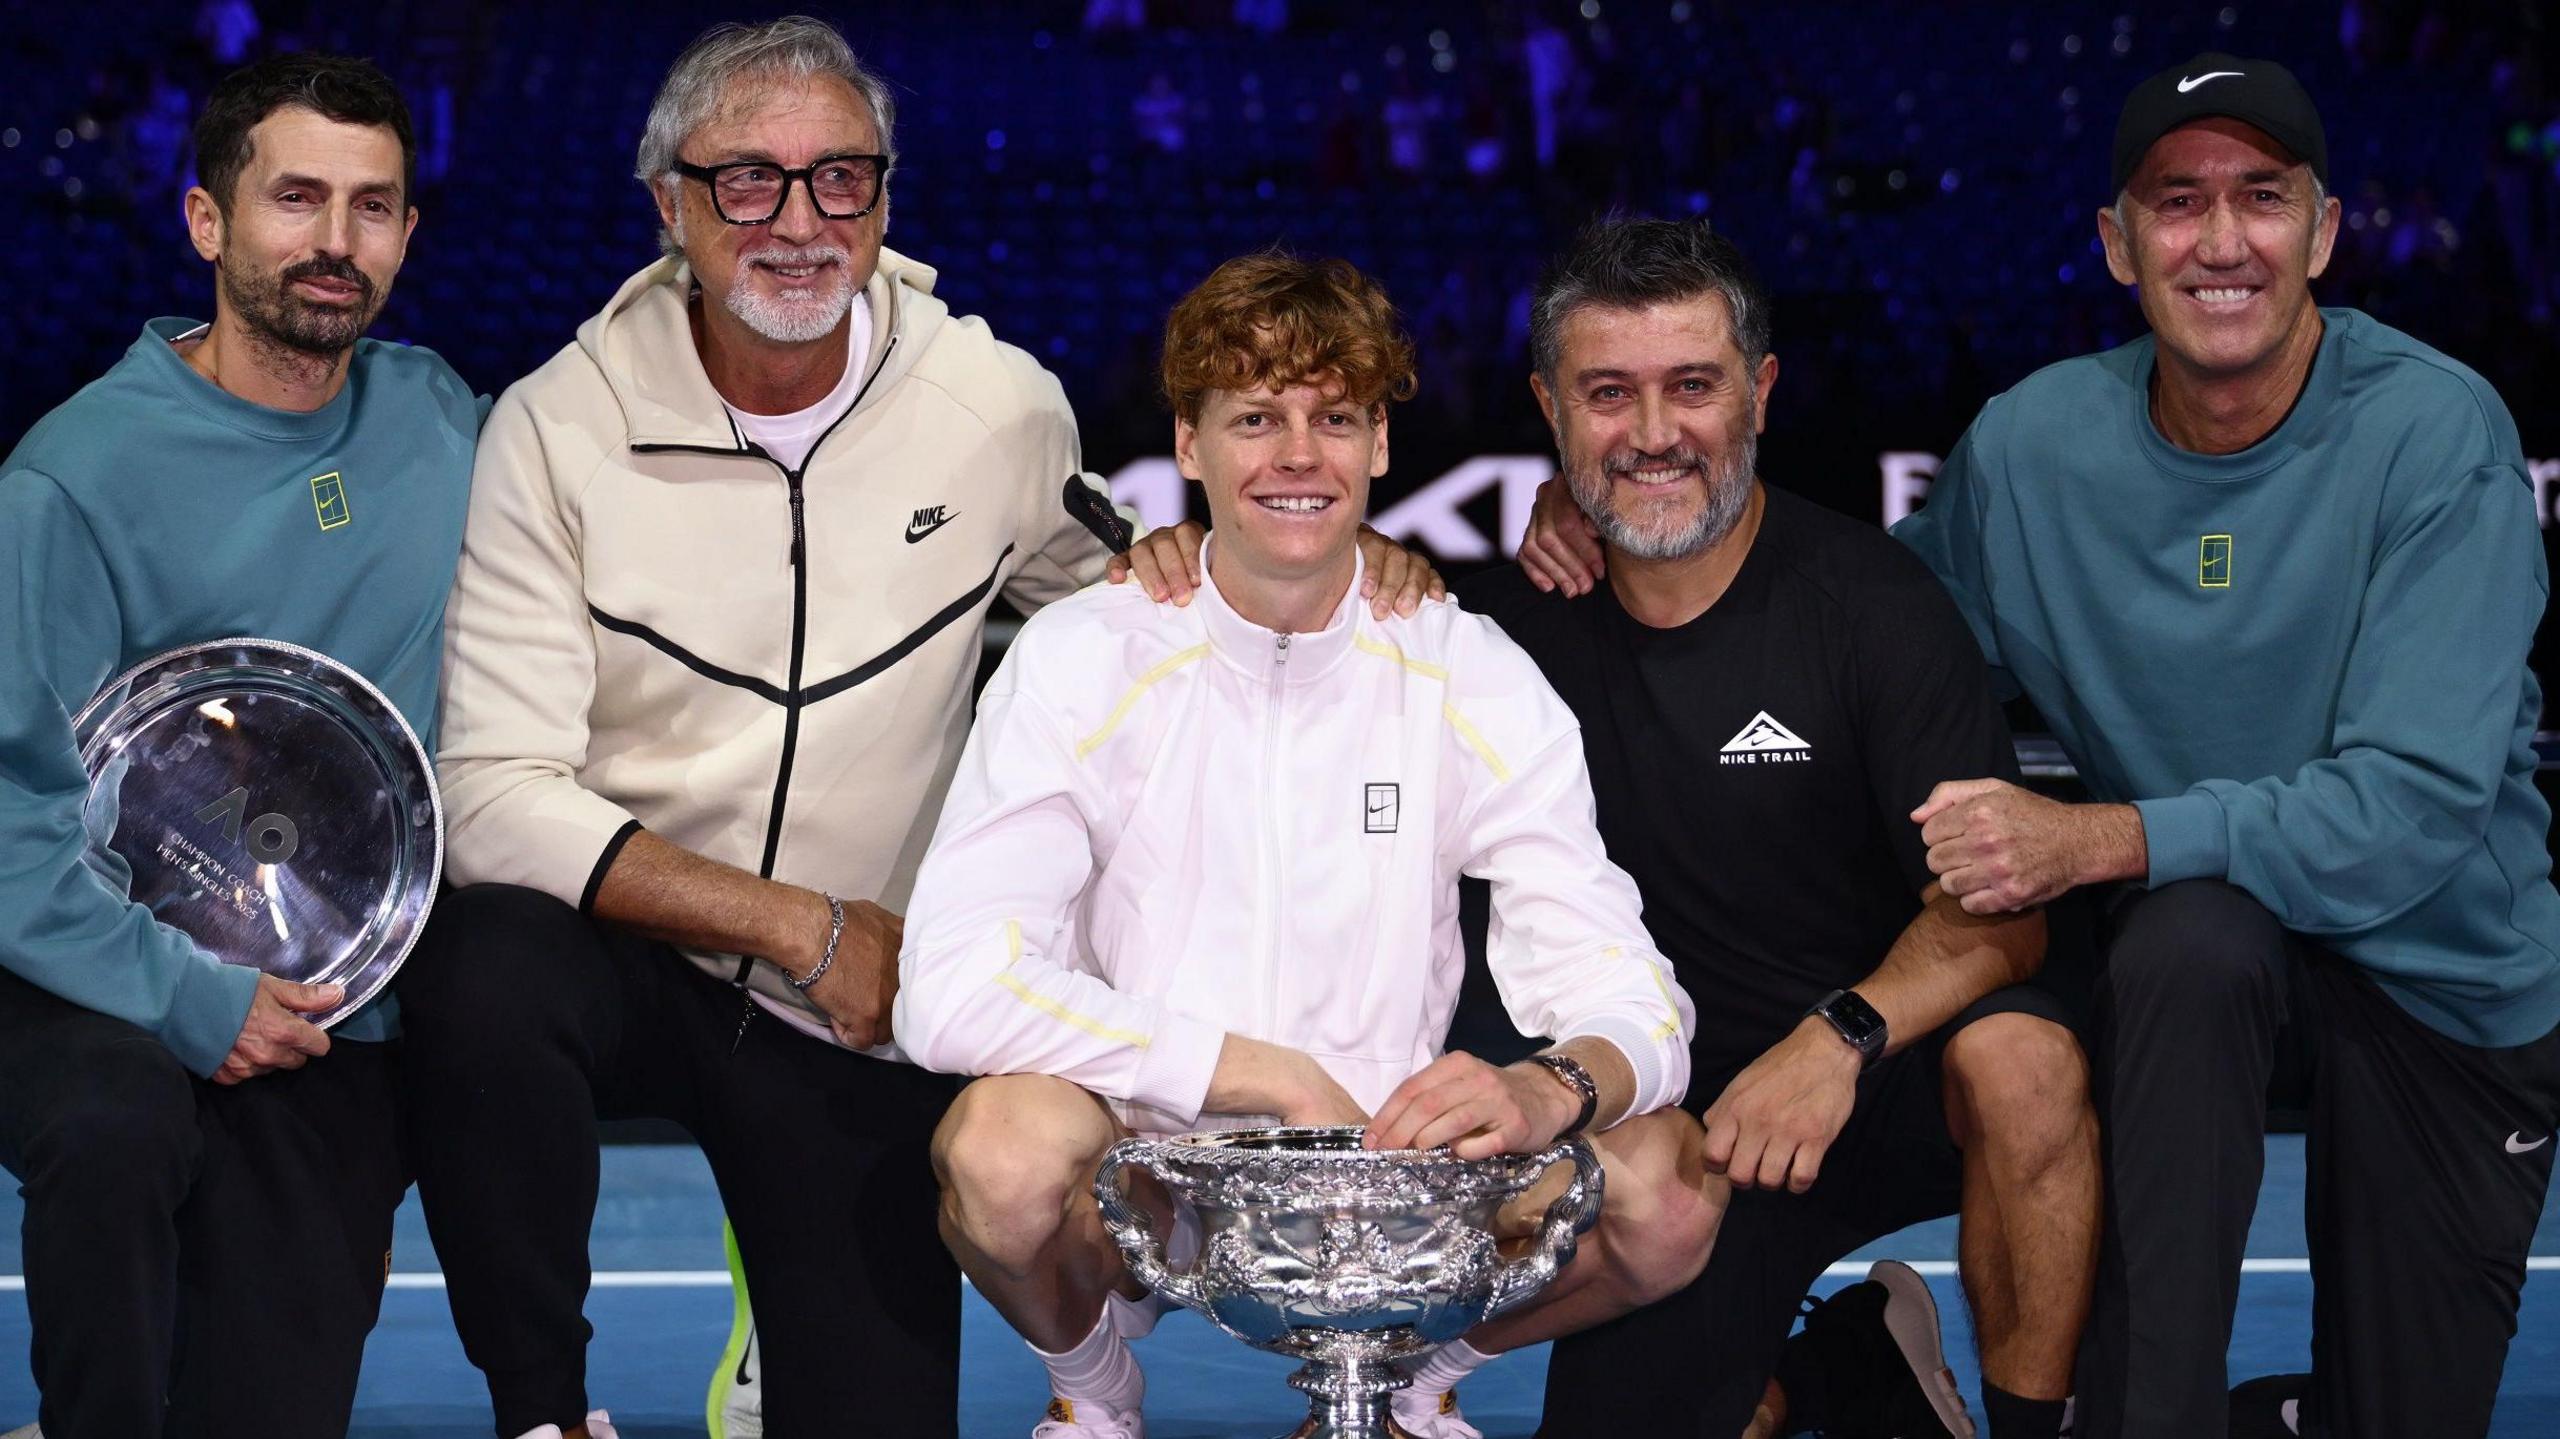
270,803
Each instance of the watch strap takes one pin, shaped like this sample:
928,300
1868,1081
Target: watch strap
1570,1072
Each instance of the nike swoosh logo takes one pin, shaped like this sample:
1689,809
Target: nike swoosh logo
2185,84
1382,808
2514,1147
916,532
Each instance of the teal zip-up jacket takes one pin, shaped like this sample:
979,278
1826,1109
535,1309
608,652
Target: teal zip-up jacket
2304,663
152,510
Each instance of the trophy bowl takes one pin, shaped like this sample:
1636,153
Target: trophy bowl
271,804
1347,1258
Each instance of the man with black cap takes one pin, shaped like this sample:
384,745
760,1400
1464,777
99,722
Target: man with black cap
2271,573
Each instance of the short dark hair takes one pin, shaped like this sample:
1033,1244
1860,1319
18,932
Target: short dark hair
1619,262
343,88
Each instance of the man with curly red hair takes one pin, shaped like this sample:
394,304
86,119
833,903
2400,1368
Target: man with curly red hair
1200,866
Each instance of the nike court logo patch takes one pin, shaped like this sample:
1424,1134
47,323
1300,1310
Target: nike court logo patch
927,521
2516,1144
2185,84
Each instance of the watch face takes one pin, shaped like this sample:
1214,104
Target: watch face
1857,1021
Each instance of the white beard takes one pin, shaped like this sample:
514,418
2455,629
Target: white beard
800,317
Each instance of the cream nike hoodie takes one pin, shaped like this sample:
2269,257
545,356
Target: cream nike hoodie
656,624
1172,825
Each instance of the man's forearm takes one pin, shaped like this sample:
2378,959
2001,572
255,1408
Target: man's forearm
1257,1077
1946,959
2113,844
670,893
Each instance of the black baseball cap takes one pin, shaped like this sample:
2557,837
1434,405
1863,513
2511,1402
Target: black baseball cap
2258,92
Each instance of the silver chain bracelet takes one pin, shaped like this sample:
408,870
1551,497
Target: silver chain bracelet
835,932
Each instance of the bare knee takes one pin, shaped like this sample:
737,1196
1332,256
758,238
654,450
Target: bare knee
1663,1206
2018,1084
1014,1155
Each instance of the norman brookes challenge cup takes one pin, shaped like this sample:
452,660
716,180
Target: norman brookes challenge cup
269,802
1350,1259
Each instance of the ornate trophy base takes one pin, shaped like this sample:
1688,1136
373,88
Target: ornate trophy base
1347,1398
1345,1257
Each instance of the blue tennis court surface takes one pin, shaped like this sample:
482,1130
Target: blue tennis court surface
661,1311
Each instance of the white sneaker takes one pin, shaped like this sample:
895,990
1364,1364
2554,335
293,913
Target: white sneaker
30,1432
1067,1419
1431,1416
599,1426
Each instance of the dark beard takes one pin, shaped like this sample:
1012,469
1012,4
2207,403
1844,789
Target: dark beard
273,314
1728,473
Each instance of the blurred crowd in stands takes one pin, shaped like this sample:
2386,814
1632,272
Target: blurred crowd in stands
1916,180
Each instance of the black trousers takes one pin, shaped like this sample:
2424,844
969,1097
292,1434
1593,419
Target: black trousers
1695,1364
2420,1210
526,1022
202,1260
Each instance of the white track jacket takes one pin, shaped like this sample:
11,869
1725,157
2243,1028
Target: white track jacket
1172,824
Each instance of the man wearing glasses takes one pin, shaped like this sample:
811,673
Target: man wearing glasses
708,667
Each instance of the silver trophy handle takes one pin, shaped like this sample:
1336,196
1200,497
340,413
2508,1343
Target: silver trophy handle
1128,1228
1569,1215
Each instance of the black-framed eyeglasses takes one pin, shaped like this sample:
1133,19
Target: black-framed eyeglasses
753,192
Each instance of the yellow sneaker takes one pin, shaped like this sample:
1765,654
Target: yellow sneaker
735,1409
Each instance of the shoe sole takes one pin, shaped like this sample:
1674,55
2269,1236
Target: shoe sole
1911,1317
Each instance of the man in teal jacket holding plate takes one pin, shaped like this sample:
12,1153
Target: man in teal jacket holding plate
209,1177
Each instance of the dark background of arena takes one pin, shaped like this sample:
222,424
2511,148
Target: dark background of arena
1916,181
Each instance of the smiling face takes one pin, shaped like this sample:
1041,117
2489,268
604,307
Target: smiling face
313,234
790,281
1287,476
1657,420
2223,232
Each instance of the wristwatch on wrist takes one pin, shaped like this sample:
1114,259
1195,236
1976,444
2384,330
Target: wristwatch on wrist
1573,1076
1857,1022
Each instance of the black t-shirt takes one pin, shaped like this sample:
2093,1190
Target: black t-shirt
1756,768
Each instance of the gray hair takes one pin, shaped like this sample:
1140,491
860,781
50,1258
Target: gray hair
1623,263
795,46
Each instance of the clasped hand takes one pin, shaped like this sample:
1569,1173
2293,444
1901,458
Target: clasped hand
2000,849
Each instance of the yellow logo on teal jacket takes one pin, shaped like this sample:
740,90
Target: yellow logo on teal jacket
2213,562
329,497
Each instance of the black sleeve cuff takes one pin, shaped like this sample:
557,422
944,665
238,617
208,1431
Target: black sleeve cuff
604,862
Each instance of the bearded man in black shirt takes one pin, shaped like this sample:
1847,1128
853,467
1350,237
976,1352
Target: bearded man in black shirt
1767,690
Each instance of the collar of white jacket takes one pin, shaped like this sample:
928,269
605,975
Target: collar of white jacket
1256,650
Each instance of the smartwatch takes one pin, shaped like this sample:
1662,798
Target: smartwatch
1857,1022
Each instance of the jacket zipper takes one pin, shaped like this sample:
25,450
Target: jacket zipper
798,559
1273,789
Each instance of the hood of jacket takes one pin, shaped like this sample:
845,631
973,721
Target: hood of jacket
642,342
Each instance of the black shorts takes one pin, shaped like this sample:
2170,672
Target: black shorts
1697,1362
